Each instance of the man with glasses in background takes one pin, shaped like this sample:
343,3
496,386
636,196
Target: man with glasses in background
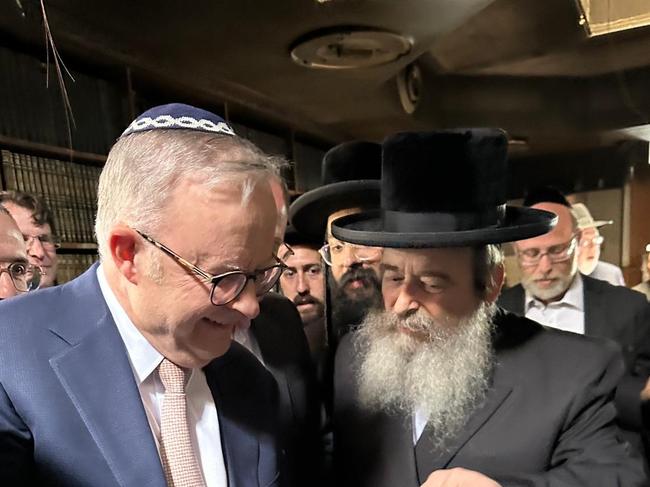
36,223
127,375
350,184
554,293
17,275
589,246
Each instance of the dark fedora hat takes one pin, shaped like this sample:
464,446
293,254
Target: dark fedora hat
350,176
443,189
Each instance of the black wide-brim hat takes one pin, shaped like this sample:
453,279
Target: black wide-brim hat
350,179
443,189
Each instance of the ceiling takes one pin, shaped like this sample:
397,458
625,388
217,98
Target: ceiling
525,65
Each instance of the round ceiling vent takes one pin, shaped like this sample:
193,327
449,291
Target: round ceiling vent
350,48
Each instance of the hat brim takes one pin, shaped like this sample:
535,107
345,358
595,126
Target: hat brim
597,224
367,228
309,213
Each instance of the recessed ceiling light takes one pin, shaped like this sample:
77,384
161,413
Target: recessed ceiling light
349,48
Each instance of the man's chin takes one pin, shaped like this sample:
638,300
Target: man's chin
546,291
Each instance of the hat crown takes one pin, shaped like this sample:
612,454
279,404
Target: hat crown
584,219
583,216
442,189
453,171
351,161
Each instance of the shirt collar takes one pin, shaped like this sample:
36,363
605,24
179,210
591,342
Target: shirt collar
144,358
573,297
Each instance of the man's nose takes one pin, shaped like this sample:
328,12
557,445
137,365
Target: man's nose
350,258
303,283
35,248
545,263
406,300
247,303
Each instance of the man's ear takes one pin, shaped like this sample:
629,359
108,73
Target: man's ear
123,244
497,278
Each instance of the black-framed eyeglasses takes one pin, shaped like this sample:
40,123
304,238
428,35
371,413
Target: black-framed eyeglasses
228,286
25,277
556,253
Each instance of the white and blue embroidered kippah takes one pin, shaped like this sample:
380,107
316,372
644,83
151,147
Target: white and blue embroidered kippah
179,116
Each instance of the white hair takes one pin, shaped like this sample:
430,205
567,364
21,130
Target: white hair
143,168
444,376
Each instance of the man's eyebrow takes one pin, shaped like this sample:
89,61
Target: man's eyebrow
438,274
10,259
388,267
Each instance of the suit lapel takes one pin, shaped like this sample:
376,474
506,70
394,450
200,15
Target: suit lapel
514,300
429,458
595,308
98,378
240,447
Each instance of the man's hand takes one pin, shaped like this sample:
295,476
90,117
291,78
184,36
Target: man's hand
459,477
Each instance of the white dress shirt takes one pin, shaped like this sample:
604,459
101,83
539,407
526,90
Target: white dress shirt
201,410
608,272
420,420
566,314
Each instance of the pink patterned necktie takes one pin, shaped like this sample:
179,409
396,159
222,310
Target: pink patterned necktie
178,459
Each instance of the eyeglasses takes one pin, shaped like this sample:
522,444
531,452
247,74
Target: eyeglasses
592,242
25,277
362,253
47,241
556,253
228,286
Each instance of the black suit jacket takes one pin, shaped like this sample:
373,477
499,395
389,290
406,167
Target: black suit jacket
284,349
621,315
539,425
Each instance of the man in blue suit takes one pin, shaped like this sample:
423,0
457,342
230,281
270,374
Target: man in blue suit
127,376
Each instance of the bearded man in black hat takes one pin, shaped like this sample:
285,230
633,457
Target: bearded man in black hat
443,388
350,183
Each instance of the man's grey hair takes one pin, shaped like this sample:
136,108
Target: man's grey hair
143,168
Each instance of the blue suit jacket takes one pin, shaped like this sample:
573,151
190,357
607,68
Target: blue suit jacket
70,410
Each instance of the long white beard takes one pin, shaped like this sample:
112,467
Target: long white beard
446,376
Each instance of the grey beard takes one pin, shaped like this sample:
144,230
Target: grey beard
445,377
556,291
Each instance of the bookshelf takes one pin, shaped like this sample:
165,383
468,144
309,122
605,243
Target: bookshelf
67,182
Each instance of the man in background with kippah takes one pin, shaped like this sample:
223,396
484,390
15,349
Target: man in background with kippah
127,376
